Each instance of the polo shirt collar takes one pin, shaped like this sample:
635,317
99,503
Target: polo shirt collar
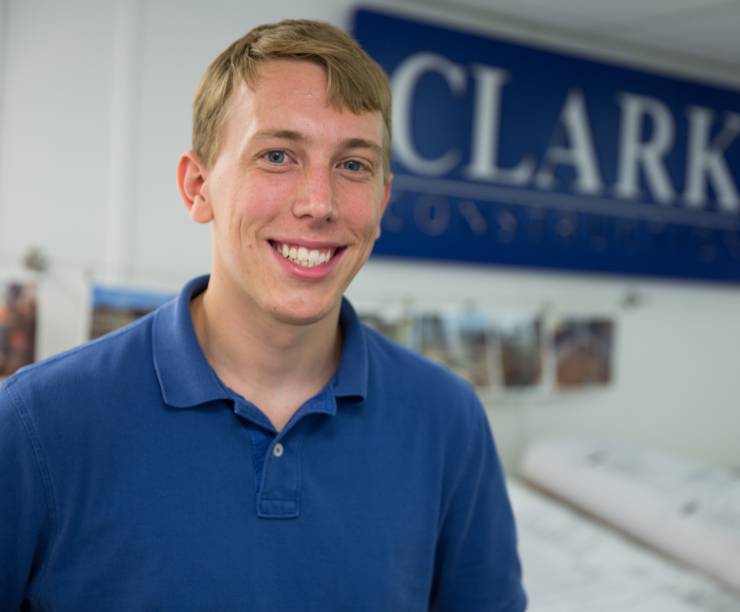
186,378
350,380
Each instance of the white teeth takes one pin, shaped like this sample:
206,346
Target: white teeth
303,256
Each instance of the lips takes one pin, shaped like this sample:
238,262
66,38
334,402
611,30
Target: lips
304,255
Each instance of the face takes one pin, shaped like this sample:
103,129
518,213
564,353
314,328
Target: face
295,196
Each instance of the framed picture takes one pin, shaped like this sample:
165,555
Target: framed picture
113,307
583,352
18,316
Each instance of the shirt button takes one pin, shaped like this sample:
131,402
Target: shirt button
278,450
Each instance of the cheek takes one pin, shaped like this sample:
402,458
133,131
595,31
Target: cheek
250,209
266,197
364,210
372,220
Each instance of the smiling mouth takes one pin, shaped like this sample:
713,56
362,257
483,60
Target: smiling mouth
308,258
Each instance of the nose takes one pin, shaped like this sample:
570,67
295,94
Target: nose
314,197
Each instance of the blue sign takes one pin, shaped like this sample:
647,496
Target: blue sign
513,155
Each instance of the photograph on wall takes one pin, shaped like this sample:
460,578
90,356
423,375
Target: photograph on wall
114,307
520,339
477,352
583,352
431,336
489,351
461,340
392,324
457,342
18,315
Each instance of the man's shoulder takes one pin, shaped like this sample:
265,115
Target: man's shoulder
411,378
96,363
398,360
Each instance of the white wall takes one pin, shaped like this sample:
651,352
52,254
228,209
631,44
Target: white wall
95,110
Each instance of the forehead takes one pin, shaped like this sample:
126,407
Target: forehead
300,77
292,95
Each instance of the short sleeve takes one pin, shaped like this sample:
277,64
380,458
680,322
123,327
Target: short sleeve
24,504
477,567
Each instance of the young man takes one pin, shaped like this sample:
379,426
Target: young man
250,445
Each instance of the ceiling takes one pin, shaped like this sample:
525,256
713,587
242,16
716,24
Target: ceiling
705,31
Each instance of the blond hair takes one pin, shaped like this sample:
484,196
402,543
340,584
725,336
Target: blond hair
354,79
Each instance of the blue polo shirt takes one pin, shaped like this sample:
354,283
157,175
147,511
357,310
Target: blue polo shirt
132,478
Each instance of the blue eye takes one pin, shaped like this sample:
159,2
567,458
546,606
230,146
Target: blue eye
276,157
354,165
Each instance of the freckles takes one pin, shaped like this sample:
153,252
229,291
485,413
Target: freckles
245,239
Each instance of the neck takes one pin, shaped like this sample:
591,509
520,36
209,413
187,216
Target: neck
269,362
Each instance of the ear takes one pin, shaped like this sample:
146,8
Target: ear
191,178
387,190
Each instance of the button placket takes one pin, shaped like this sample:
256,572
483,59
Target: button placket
280,492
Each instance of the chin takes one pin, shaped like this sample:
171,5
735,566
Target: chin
305,313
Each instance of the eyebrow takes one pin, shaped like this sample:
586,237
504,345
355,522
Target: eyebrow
361,143
349,143
283,134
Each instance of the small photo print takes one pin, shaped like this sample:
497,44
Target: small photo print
396,327
18,314
477,353
461,340
583,352
489,351
114,307
520,338
432,336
